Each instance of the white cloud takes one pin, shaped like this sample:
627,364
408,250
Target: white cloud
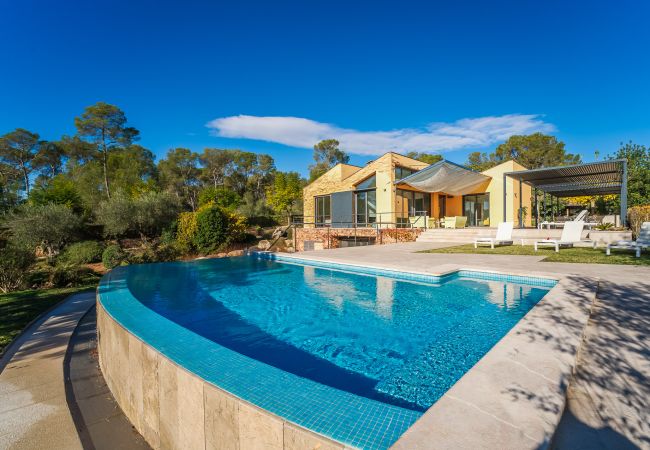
436,137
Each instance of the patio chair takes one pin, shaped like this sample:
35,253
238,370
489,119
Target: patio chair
455,221
503,237
579,217
642,241
571,234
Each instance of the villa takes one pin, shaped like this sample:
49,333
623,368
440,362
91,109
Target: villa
395,191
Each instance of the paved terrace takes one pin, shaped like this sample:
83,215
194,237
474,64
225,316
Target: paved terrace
608,395
52,394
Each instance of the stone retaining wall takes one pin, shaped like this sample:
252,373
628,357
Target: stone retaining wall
175,409
331,237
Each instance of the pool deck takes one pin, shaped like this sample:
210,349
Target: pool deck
607,394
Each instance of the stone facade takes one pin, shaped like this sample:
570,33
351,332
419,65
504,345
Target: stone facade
344,177
331,237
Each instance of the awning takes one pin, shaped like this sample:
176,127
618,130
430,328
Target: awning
447,177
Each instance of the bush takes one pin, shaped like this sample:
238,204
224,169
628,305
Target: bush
113,256
49,227
638,215
67,274
186,230
80,253
211,230
14,263
146,215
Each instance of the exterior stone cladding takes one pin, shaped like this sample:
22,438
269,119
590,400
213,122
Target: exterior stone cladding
344,177
173,408
331,237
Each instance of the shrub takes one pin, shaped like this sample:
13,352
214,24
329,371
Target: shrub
66,274
211,229
186,230
146,215
14,263
85,252
113,256
638,215
49,227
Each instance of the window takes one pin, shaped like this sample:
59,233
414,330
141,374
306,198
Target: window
323,205
403,172
368,183
365,207
412,203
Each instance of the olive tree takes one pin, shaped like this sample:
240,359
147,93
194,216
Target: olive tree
49,227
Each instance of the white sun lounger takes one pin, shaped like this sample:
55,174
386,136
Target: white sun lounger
571,234
503,237
642,241
582,215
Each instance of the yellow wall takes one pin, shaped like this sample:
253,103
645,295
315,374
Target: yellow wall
495,189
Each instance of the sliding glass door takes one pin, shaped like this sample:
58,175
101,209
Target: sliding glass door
477,209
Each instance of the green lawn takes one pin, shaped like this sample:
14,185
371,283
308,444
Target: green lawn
569,255
17,309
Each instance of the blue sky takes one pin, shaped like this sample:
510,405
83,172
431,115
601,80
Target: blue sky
450,77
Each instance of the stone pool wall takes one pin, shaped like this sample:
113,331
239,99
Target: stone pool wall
173,408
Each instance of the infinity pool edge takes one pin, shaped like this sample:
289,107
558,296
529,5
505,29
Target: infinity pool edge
275,431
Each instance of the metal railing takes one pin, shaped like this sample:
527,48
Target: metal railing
418,219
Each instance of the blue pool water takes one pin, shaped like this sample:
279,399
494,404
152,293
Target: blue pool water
396,341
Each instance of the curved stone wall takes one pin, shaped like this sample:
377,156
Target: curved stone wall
174,408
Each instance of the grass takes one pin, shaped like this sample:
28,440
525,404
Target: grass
568,255
19,308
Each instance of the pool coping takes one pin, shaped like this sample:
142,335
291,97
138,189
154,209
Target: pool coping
515,395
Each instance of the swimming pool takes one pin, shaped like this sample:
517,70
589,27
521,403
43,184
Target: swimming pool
339,350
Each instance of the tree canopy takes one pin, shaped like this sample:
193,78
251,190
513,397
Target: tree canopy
532,151
104,127
429,158
638,172
285,192
327,154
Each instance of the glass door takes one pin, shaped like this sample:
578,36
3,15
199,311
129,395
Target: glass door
365,208
476,208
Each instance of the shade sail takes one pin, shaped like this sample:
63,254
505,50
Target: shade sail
447,177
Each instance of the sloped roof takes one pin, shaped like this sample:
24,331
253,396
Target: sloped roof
596,178
445,176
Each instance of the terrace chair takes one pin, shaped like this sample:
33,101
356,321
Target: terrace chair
503,237
642,241
571,234
455,221
579,217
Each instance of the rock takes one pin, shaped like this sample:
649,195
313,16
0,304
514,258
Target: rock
263,244
236,253
222,255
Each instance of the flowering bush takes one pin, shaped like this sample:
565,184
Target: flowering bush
638,215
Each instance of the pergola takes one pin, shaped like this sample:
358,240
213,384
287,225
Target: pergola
596,178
